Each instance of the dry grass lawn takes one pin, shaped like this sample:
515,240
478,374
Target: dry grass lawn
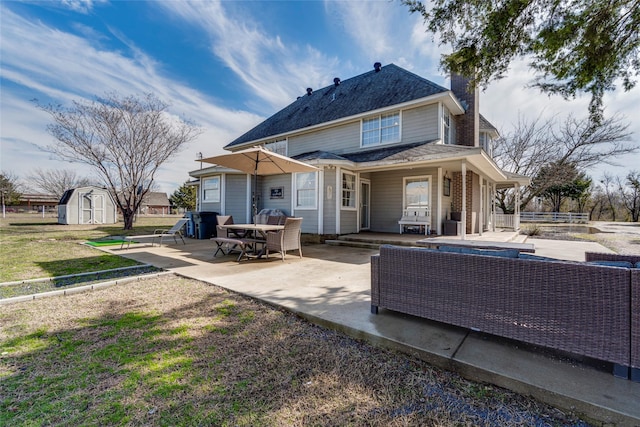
178,352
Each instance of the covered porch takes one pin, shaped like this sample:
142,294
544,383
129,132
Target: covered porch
372,240
443,183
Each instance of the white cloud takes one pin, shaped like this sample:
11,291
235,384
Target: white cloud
68,67
369,24
273,71
81,6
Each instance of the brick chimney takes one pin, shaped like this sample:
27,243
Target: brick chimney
468,124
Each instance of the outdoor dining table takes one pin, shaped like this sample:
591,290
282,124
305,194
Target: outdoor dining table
258,232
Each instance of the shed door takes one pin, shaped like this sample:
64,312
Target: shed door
92,208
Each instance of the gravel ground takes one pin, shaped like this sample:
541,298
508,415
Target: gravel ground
623,238
9,291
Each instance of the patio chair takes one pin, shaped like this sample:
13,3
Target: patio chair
160,234
232,240
286,239
276,219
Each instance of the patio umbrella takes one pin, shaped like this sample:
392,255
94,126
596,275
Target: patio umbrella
259,161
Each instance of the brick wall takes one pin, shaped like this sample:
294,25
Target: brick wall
456,196
468,124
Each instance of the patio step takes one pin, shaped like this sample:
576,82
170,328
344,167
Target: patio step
367,242
366,245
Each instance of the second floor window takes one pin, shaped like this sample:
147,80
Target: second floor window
446,126
278,147
381,129
486,143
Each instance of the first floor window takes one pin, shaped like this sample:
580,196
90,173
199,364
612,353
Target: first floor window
306,190
416,192
348,190
211,189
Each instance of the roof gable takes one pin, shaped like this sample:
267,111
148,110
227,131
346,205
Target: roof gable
155,199
370,91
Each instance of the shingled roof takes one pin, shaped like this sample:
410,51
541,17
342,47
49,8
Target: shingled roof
393,152
370,91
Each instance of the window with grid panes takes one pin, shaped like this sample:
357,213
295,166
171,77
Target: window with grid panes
382,129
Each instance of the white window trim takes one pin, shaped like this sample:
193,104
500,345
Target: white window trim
295,193
446,130
204,200
379,117
404,188
354,191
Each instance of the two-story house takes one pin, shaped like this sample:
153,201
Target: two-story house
386,143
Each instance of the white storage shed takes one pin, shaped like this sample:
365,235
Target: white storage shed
87,205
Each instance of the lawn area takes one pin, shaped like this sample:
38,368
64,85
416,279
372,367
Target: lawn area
35,247
178,352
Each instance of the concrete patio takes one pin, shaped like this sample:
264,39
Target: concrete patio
330,286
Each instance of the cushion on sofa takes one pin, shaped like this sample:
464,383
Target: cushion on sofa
624,264
504,253
524,255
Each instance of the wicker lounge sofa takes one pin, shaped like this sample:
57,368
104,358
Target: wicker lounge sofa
585,309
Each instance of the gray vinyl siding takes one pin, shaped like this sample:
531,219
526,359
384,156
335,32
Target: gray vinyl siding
309,220
420,124
338,139
329,214
386,197
266,202
211,207
236,197
348,222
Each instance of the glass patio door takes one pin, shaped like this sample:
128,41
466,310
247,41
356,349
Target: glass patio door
365,196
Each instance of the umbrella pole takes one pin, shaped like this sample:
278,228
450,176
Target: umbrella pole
255,197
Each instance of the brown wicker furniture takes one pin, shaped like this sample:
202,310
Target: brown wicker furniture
244,244
585,309
287,239
600,256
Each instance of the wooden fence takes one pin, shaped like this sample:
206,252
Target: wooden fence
553,217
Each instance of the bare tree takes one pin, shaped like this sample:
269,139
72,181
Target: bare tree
125,139
57,181
611,197
629,190
575,143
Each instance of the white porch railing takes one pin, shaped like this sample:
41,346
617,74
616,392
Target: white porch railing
507,221
554,217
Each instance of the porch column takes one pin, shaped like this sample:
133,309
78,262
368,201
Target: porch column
516,210
463,212
493,206
438,210
483,195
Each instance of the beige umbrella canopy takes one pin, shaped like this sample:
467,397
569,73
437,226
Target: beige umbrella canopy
258,161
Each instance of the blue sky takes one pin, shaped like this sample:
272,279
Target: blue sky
225,65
